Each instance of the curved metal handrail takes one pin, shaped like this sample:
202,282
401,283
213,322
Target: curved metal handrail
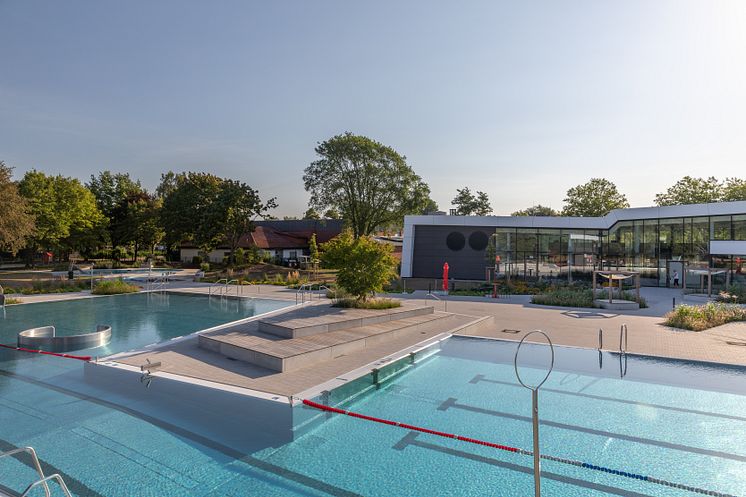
322,287
623,339
34,459
302,290
45,338
56,477
515,359
219,282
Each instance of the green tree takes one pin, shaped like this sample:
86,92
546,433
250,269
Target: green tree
115,193
186,201
208,210
536,210
468,204
237,206
597,197
65,212
332,214
311,213
363,265
369,183
734,189
313,249
690,190
16,221
429,207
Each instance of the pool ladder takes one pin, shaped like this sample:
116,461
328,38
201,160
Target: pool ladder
43,480
623,334
622,339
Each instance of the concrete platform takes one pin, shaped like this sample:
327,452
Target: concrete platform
319,319
253,346
618,305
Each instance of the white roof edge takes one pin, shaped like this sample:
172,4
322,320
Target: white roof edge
605,222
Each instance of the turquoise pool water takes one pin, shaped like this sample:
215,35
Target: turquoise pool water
136,320
678,421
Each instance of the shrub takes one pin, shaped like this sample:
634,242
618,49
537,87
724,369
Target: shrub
204,266
363,265
354,303
114,287
734,294
698,318
196,260
565,297
12,300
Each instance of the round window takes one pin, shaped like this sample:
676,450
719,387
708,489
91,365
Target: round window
478,240
455,241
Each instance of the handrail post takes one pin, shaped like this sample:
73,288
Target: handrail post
535,406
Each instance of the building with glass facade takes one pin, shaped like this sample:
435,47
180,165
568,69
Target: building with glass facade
654,241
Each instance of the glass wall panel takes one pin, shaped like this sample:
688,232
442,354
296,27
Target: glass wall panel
721,228
739,227
700,242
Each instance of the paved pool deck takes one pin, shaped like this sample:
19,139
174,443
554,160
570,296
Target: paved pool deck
574,327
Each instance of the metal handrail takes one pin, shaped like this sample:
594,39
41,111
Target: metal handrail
237,288
623,339
445,301
222,280
302,290
324,287
37,466
44,481
600,338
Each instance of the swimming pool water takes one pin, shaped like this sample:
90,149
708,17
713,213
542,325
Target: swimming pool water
674,420
136,320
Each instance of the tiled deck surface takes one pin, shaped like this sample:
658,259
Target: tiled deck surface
579,328
187,359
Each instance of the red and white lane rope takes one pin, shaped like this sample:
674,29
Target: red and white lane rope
44,352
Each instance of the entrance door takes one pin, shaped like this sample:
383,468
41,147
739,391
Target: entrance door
671,268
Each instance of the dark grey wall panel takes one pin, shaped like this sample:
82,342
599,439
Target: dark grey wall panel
431,251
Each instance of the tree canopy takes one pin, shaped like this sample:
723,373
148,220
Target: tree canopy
536,210
689,190
364,265
468,204
368,183
208,210
16,221
597,197
65,212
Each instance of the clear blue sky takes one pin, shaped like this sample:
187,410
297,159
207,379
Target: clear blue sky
520,99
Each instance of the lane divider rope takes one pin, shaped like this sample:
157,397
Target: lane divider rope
562,460
56,354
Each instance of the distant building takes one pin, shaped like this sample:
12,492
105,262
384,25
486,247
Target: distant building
285,241
654,241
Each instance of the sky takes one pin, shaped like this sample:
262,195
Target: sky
520,99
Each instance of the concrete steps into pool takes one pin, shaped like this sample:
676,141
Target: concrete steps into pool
317,334
315,320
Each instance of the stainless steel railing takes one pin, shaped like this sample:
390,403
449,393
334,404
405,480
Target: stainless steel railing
43,480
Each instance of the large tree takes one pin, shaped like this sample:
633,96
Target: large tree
65,212
368,183
16,220
536,210
468,204
120,199
734,189
597,197
208,210
690,190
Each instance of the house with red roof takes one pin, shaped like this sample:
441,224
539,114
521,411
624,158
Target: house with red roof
285,241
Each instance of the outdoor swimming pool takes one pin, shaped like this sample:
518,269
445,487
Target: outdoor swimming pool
137,319
678,421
